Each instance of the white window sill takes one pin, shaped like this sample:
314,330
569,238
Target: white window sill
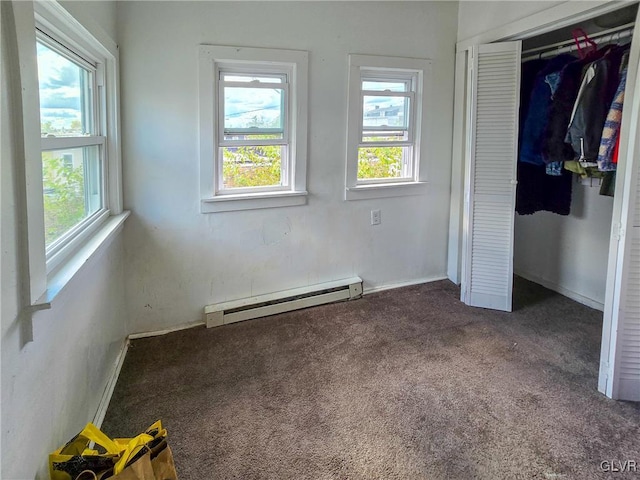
63,275
381,190
252,201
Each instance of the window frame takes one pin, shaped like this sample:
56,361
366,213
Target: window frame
410,79
60,249
251,61
413,71
46,277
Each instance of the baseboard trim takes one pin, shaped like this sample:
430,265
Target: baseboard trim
157,333
589,302
185,326
410,283
111,385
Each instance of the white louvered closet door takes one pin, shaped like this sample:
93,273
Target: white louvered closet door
626,368
494,97
620,356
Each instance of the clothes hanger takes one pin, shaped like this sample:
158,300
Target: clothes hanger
590,47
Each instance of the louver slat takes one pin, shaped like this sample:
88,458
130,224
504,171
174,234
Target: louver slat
495,102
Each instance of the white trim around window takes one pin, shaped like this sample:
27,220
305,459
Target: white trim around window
48,269
387,112
236,73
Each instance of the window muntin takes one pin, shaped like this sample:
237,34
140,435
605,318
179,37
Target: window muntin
386,151
72,148
381,85
253,136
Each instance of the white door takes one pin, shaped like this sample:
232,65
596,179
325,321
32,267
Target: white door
620,353
490,175
625,381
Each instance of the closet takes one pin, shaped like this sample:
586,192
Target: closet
591,240
563,218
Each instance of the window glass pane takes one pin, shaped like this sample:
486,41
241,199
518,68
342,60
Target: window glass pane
253,108
383,162
66,96
385,111
385,136
236,77
382,85
72,187
244,167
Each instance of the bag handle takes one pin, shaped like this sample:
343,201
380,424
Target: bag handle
94,434
87,475
590,45
90,433
133,447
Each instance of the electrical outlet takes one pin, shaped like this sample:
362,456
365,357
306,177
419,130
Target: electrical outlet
376,218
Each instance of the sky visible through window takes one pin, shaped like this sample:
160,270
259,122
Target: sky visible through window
60,93
253,107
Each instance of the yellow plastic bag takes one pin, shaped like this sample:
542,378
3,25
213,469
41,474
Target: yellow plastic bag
129,457
71,460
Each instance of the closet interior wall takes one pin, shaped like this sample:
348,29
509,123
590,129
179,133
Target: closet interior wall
569,254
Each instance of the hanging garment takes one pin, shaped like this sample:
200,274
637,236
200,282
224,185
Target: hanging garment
536,191
584,172
554,148
611,130
608,184
553,80
537,115
590,110
554,168
616,150
528,74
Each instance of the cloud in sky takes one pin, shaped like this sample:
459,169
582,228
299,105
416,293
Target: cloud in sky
60,90
245,107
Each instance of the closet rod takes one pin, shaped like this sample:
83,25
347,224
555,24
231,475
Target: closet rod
622,31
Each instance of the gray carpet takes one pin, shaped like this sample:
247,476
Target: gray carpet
402,384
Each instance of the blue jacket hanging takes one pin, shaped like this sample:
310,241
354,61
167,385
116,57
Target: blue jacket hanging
538,114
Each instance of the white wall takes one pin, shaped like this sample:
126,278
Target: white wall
569,253
478,17
178,260
52,386
98,16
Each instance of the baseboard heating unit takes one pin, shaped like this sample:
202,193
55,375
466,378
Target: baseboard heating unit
279,302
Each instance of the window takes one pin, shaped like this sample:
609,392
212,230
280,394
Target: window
386,113
69,101
252,128
72,147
